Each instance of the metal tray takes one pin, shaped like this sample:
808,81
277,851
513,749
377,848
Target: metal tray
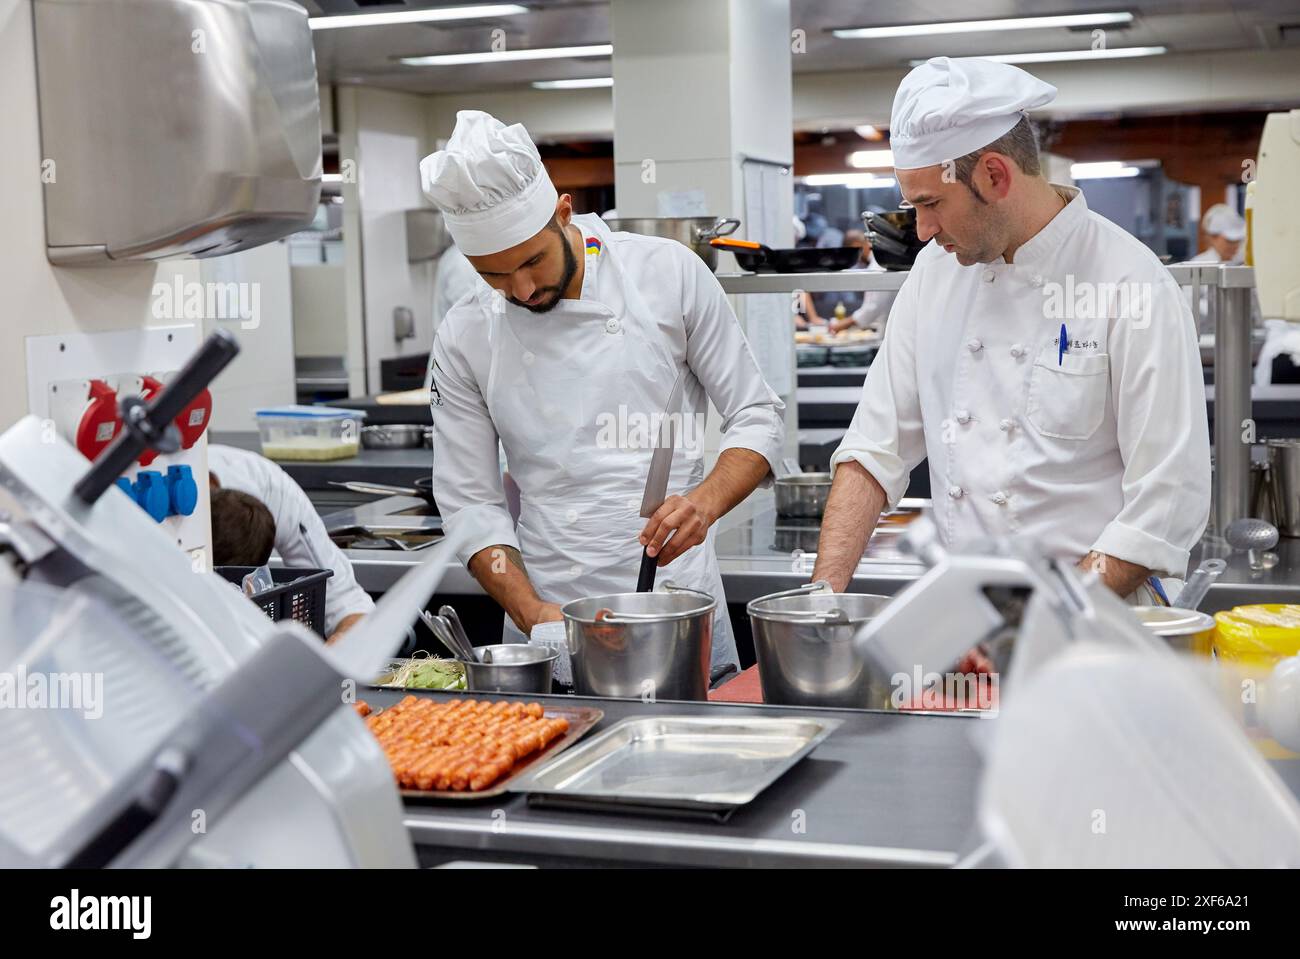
697,764
581,719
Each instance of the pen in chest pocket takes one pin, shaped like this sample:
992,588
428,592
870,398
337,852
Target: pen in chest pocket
1062,345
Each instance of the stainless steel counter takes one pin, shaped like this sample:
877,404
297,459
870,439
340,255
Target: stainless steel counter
886,789
760,554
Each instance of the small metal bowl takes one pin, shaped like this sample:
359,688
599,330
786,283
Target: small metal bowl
400,436
511,668
1185,630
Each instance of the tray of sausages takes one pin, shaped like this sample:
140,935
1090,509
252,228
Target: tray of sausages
470,748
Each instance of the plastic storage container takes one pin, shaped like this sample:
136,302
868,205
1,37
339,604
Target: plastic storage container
298,593
309,432
1251,640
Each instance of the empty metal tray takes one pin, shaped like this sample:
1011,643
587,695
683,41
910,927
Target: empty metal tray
690,763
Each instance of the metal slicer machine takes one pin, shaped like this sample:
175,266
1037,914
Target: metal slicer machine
154,716
1108,749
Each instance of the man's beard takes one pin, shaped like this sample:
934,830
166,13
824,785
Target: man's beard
570,268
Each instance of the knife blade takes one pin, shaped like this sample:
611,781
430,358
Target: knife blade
656,485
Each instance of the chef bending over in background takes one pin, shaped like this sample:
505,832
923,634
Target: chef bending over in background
580,334
257,507
1081,427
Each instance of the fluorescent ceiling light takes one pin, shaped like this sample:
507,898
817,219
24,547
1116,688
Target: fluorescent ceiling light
1111,53
1106,170
872,159
868,132
583,83
331,177
416,16
983,26
539,53
858,181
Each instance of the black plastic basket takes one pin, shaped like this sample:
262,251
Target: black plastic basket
297,594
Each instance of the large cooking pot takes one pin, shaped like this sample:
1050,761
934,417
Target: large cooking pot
692,231
802,495
804,641
641,645
1284,484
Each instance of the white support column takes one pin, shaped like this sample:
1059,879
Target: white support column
703,126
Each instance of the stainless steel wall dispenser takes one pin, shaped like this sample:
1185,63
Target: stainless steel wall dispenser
175,127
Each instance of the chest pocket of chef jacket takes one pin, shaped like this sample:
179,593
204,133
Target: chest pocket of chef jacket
1068,401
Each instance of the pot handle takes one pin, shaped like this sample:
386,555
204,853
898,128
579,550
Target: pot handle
668,586
821,586
724,227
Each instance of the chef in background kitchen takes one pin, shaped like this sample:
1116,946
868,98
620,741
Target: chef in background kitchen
578,332
1081,427
287,522
1225,229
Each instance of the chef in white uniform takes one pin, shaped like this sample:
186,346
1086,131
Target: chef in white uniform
564,359
300,535
1040,356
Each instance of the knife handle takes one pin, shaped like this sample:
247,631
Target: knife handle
645,581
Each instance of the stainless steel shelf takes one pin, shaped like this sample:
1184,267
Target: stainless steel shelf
856,280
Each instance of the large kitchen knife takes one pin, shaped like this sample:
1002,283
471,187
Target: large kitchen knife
656,484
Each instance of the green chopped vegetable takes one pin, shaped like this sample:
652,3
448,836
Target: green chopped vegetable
423,671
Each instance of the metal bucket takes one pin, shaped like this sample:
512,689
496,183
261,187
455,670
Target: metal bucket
692,231
1185,630
802,495
641,645
804,643
1284,482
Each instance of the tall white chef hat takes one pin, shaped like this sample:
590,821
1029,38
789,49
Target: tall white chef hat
1222,220
951,106
489,184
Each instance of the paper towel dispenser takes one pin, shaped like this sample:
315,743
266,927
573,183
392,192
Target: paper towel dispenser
175,127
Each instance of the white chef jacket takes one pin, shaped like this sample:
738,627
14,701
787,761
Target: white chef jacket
300,536
695,324
456,277
876,304
1103,447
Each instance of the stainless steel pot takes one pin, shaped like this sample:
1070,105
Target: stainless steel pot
692,231
1186,630
1284,483
511,668
802,495
641,645
804,642
399,436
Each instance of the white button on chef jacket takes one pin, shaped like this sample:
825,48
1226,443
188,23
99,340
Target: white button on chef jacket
1112,449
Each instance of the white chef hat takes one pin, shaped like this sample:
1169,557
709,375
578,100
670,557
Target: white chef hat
1222,220
951,106
489,184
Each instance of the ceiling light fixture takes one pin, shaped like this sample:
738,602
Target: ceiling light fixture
581,83
984,26
416,16
539,53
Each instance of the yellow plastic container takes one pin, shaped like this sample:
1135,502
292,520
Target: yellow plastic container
1258,636
1251,640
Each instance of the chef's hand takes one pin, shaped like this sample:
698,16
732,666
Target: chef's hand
975,661
684,520
542,613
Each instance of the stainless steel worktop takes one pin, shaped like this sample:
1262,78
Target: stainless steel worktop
760,554
886,789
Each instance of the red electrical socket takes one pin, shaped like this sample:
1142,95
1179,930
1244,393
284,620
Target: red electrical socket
99,421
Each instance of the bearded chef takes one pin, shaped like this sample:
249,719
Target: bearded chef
1040,356
579,329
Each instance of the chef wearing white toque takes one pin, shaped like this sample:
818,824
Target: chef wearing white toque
1039,356
564,356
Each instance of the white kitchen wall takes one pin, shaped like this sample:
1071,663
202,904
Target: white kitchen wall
385,135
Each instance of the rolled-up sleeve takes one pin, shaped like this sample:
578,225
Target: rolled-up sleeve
1164,437
719,355
886,434
466,467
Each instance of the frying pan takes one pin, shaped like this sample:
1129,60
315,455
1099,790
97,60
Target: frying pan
757,258
423,488
894,242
